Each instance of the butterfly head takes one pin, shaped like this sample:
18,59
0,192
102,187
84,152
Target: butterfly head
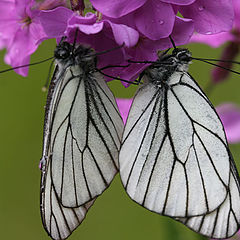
167,64
181,55
66,55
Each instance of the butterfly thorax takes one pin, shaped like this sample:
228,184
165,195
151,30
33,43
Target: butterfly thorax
66,55
160,72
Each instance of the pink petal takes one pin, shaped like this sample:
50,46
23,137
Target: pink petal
55,21
86,25
210,17
21,5
236,5
89,18
214,40
124,34
155,19
124,105
19,52
145,50
87,29
36,31
116,8
229,53
8,19
51,4
230,116
179,2
182,32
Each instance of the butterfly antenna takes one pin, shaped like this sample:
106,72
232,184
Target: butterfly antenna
228,69
26,65
216,60
174,46
44,88
145,62
105,51
117,78
113,66
75,39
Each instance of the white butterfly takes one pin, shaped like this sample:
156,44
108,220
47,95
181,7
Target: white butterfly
82,135
174,159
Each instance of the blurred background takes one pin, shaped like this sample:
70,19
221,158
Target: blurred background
114,215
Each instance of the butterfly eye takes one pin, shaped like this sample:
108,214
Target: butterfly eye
183,57
62,53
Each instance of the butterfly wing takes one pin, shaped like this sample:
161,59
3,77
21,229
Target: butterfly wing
59,221
223,222
174,159
83,129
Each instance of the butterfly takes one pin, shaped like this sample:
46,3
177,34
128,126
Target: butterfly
174,157
82,136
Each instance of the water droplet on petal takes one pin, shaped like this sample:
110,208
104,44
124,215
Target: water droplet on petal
208,33
161,22
201,8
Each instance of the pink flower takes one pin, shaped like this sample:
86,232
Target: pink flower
218,39
155,18
229,53
231,50
146,49
101,35
19,31
230,116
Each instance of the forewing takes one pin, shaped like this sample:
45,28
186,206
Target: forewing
175,154
83,146
85,139
223,222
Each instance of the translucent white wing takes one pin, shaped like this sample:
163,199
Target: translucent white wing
85,139
59,221
83,129
174,159
223,222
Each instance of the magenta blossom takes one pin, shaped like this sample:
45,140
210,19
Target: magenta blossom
19,31
101,35
155,18
231,50
218,39
230,116
107,33
146,49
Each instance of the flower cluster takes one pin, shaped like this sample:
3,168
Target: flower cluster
143,26
21,30
228,112
232,48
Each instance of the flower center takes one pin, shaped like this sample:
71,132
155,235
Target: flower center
26,21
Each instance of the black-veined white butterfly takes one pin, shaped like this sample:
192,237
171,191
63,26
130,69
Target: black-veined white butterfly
174,158
82,135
